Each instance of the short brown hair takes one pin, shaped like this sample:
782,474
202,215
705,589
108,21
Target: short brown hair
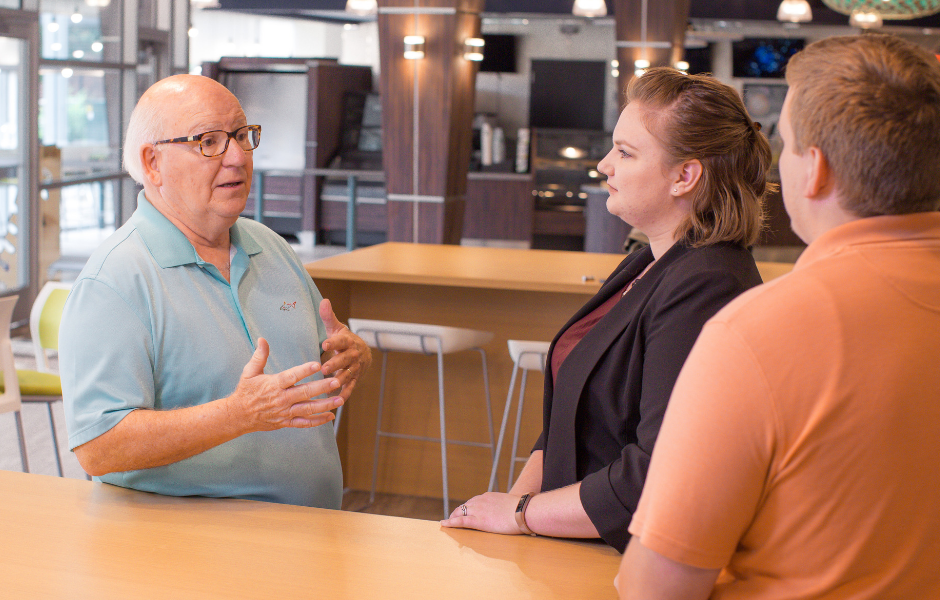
871,104
698,117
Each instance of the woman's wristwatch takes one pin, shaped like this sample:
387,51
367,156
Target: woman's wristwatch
520,513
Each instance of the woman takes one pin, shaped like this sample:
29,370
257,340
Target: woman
688,168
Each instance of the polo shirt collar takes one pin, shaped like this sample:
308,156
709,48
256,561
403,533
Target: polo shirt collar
872,230
167,244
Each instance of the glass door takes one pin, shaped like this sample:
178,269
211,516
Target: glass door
18,175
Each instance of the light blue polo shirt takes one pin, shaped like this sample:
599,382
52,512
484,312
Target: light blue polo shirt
150,325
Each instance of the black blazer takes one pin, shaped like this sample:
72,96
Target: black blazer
602,418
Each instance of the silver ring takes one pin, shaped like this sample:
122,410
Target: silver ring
463,508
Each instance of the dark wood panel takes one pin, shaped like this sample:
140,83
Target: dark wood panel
499,209
667,21
554,222
442,109
328,84
369,217
777,231
279,184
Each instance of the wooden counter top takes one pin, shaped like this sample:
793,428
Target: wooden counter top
66,538
470,266
482,267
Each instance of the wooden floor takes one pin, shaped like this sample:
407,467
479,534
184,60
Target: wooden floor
394,505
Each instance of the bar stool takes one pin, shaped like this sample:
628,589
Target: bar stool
527,356
418,338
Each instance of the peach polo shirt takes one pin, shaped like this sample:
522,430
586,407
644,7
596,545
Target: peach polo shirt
801,447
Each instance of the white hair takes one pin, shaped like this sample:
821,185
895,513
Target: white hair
144,127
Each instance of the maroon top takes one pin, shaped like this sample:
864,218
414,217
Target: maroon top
574,334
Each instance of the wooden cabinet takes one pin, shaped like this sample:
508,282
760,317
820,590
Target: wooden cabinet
499,207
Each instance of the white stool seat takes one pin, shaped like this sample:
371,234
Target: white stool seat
527,355
421,338
417,337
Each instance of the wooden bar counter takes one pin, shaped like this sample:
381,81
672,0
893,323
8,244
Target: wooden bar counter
516,294
67,538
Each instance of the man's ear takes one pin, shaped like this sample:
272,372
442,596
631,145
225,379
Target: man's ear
818,173
150,160
689,174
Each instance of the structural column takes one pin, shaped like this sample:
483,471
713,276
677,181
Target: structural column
427,115
652,30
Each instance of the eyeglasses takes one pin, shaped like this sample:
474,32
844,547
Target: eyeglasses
215,143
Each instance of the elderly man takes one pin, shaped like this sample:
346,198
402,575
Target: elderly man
799,451
191,343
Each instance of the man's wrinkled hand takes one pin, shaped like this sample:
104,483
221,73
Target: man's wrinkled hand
349,356
268,402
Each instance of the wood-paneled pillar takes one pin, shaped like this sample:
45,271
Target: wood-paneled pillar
427,115
649,29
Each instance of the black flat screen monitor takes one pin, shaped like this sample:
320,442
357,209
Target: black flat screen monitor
567,94
699,59
763,57
499,54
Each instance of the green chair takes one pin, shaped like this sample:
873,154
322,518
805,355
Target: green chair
42,385
10,401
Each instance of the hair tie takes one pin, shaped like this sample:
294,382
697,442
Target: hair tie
757,126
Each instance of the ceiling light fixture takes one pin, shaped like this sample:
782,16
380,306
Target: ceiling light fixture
795,11
363,8
865,19
589,8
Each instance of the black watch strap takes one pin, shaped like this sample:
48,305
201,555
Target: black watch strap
520,513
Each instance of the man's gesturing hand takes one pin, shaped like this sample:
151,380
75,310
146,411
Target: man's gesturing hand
346,355
267,402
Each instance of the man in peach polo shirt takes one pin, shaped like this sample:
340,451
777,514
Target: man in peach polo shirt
799,454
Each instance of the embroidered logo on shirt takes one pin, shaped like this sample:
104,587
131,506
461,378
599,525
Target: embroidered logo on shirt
289,306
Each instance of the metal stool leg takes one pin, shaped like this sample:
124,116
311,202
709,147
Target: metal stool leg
22,439
502,428
489,408
378,427
515,436
440,394
55,443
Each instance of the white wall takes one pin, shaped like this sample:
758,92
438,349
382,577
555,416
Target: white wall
360,46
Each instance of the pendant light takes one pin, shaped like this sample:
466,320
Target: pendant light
865,19
589,8
886,9
362,7
795,11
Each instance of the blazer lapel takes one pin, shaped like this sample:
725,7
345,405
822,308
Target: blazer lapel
583,359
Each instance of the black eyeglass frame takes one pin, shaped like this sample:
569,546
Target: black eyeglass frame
198,138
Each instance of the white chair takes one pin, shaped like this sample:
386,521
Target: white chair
10,396
392,336
527,356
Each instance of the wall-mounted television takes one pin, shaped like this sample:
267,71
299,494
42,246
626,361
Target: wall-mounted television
763,57
499,54
699,59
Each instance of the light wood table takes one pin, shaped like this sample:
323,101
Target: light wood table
516,294
66,538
